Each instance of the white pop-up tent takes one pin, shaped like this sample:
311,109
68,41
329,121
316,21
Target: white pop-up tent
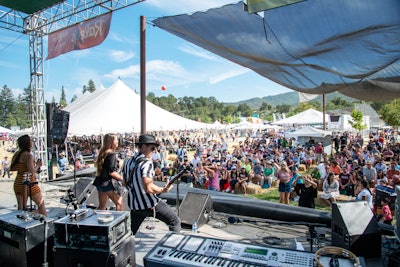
307,117
117,110
5,130
303,135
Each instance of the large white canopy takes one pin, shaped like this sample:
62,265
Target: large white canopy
307,117
5,130
117,110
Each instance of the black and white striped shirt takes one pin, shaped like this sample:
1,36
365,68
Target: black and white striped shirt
138,199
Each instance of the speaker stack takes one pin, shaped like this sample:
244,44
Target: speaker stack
24,238
195,207
59,127
103,238
354,227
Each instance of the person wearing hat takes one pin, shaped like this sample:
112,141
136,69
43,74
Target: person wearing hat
107,169
143,199
62,162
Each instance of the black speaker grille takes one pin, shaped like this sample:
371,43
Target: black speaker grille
195,207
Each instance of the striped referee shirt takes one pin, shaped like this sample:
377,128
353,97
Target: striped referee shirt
138,199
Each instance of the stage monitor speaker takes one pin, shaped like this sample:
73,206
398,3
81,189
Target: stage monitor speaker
60,123
354,227
83,189
93,201
195,207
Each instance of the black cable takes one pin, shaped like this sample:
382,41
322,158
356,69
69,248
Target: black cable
4,48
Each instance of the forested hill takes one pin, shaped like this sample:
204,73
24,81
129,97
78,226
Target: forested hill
291,98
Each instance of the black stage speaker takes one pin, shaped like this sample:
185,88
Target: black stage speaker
22,239
93,201
82,190
123,255
60,123
354,227
195,207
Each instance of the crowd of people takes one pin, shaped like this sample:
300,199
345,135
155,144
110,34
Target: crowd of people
231,161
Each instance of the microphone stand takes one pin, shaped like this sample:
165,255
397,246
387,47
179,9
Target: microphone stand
26,181
177,196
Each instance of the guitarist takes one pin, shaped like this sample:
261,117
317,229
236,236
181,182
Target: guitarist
143,201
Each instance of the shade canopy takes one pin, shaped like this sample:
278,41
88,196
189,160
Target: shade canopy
314,46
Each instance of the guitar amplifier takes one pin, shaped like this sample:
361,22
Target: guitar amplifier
123,255
100,231
22,236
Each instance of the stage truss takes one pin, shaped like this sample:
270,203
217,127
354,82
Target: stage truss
38,19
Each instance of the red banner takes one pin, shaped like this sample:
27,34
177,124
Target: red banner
81,36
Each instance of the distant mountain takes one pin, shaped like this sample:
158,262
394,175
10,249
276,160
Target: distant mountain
291,98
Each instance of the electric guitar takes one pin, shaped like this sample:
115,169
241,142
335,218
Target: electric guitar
174,178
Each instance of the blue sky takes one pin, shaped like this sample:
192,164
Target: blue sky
184,69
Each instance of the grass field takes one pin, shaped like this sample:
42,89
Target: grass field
273,196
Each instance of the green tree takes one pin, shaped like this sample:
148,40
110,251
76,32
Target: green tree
84,89
357,122
74,98
91,86
63,99
23,114
303,106
7,105
390,113
284,108
244,110
265,106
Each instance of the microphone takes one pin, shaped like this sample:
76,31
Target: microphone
232,219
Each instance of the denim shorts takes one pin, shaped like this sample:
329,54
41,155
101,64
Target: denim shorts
105,188
284,187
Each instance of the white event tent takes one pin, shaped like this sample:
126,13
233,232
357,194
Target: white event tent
117,110
304,134
5,130
307,117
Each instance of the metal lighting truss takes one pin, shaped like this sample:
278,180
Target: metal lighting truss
38,24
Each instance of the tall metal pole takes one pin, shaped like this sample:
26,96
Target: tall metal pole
142,74
39,126
323,113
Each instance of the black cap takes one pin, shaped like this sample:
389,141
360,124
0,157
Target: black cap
147,139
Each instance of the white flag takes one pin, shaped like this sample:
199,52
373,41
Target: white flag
303,97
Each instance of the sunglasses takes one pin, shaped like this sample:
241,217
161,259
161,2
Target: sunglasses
153,148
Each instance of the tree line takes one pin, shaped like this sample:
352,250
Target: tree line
17,110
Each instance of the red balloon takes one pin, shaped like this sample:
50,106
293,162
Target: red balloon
163,87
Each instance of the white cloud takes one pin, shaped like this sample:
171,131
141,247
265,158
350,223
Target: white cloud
226,75
198,52
113,36
120,56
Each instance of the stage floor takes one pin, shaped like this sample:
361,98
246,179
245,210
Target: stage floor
257,231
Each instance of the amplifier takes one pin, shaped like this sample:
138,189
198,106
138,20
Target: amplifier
122,255
22,236
101,230
179,250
